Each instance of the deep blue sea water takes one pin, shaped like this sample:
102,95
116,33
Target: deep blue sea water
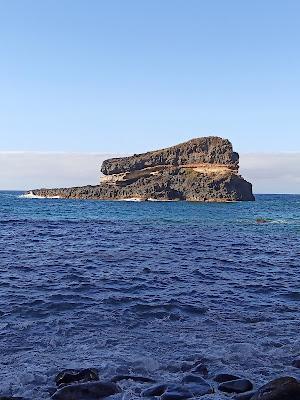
145,286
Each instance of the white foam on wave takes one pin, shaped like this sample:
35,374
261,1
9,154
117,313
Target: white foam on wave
30,195
132,199
161,200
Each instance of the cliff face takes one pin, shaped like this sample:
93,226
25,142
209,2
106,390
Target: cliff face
203,169
212,150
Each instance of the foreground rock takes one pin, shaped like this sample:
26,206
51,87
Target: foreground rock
296,363
200,369
245,396
11,398
203,169
176,392
86,391
220,378
285,388
191,386
196,385
76,375
155,390
236,386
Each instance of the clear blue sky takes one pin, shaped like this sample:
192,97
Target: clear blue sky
128,76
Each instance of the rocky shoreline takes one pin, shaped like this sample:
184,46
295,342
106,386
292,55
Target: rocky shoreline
193,381
202,169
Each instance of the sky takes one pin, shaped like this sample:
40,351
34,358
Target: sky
96,77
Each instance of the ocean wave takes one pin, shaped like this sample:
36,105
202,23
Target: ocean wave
30,195
108,284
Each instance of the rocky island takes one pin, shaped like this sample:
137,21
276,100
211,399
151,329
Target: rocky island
202,169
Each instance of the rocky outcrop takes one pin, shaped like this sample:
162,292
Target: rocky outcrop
203,169
84,384
206,150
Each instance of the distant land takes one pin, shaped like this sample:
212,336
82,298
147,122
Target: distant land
202,169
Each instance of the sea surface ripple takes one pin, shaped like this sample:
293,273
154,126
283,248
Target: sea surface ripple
146,286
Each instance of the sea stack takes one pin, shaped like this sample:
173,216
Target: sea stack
202,169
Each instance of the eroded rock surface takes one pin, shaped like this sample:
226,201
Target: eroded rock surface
205,150
203,169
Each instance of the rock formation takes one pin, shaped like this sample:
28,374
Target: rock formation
202,169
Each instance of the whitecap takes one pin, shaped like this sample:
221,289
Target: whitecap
31,195
132,199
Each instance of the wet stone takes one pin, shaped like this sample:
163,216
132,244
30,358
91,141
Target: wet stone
236,386
86,391
173,368
197,385
191,378
186,367
220,378
155,390
244,396
176,393
296,363
68,376
285,388
123,370
50,389
200,369
11,398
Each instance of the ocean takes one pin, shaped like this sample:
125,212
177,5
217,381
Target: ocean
145,287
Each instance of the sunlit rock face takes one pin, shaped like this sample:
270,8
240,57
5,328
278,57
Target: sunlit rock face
202,169
205,150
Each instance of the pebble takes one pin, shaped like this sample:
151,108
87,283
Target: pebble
236,386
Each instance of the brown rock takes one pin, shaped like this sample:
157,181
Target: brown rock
209,149
285,388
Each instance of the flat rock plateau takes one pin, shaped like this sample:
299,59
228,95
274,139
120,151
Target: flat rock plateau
202,169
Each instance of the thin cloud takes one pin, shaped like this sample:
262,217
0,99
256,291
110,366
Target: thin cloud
272,172
26,170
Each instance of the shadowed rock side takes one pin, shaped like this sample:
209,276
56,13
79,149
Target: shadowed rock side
204,169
